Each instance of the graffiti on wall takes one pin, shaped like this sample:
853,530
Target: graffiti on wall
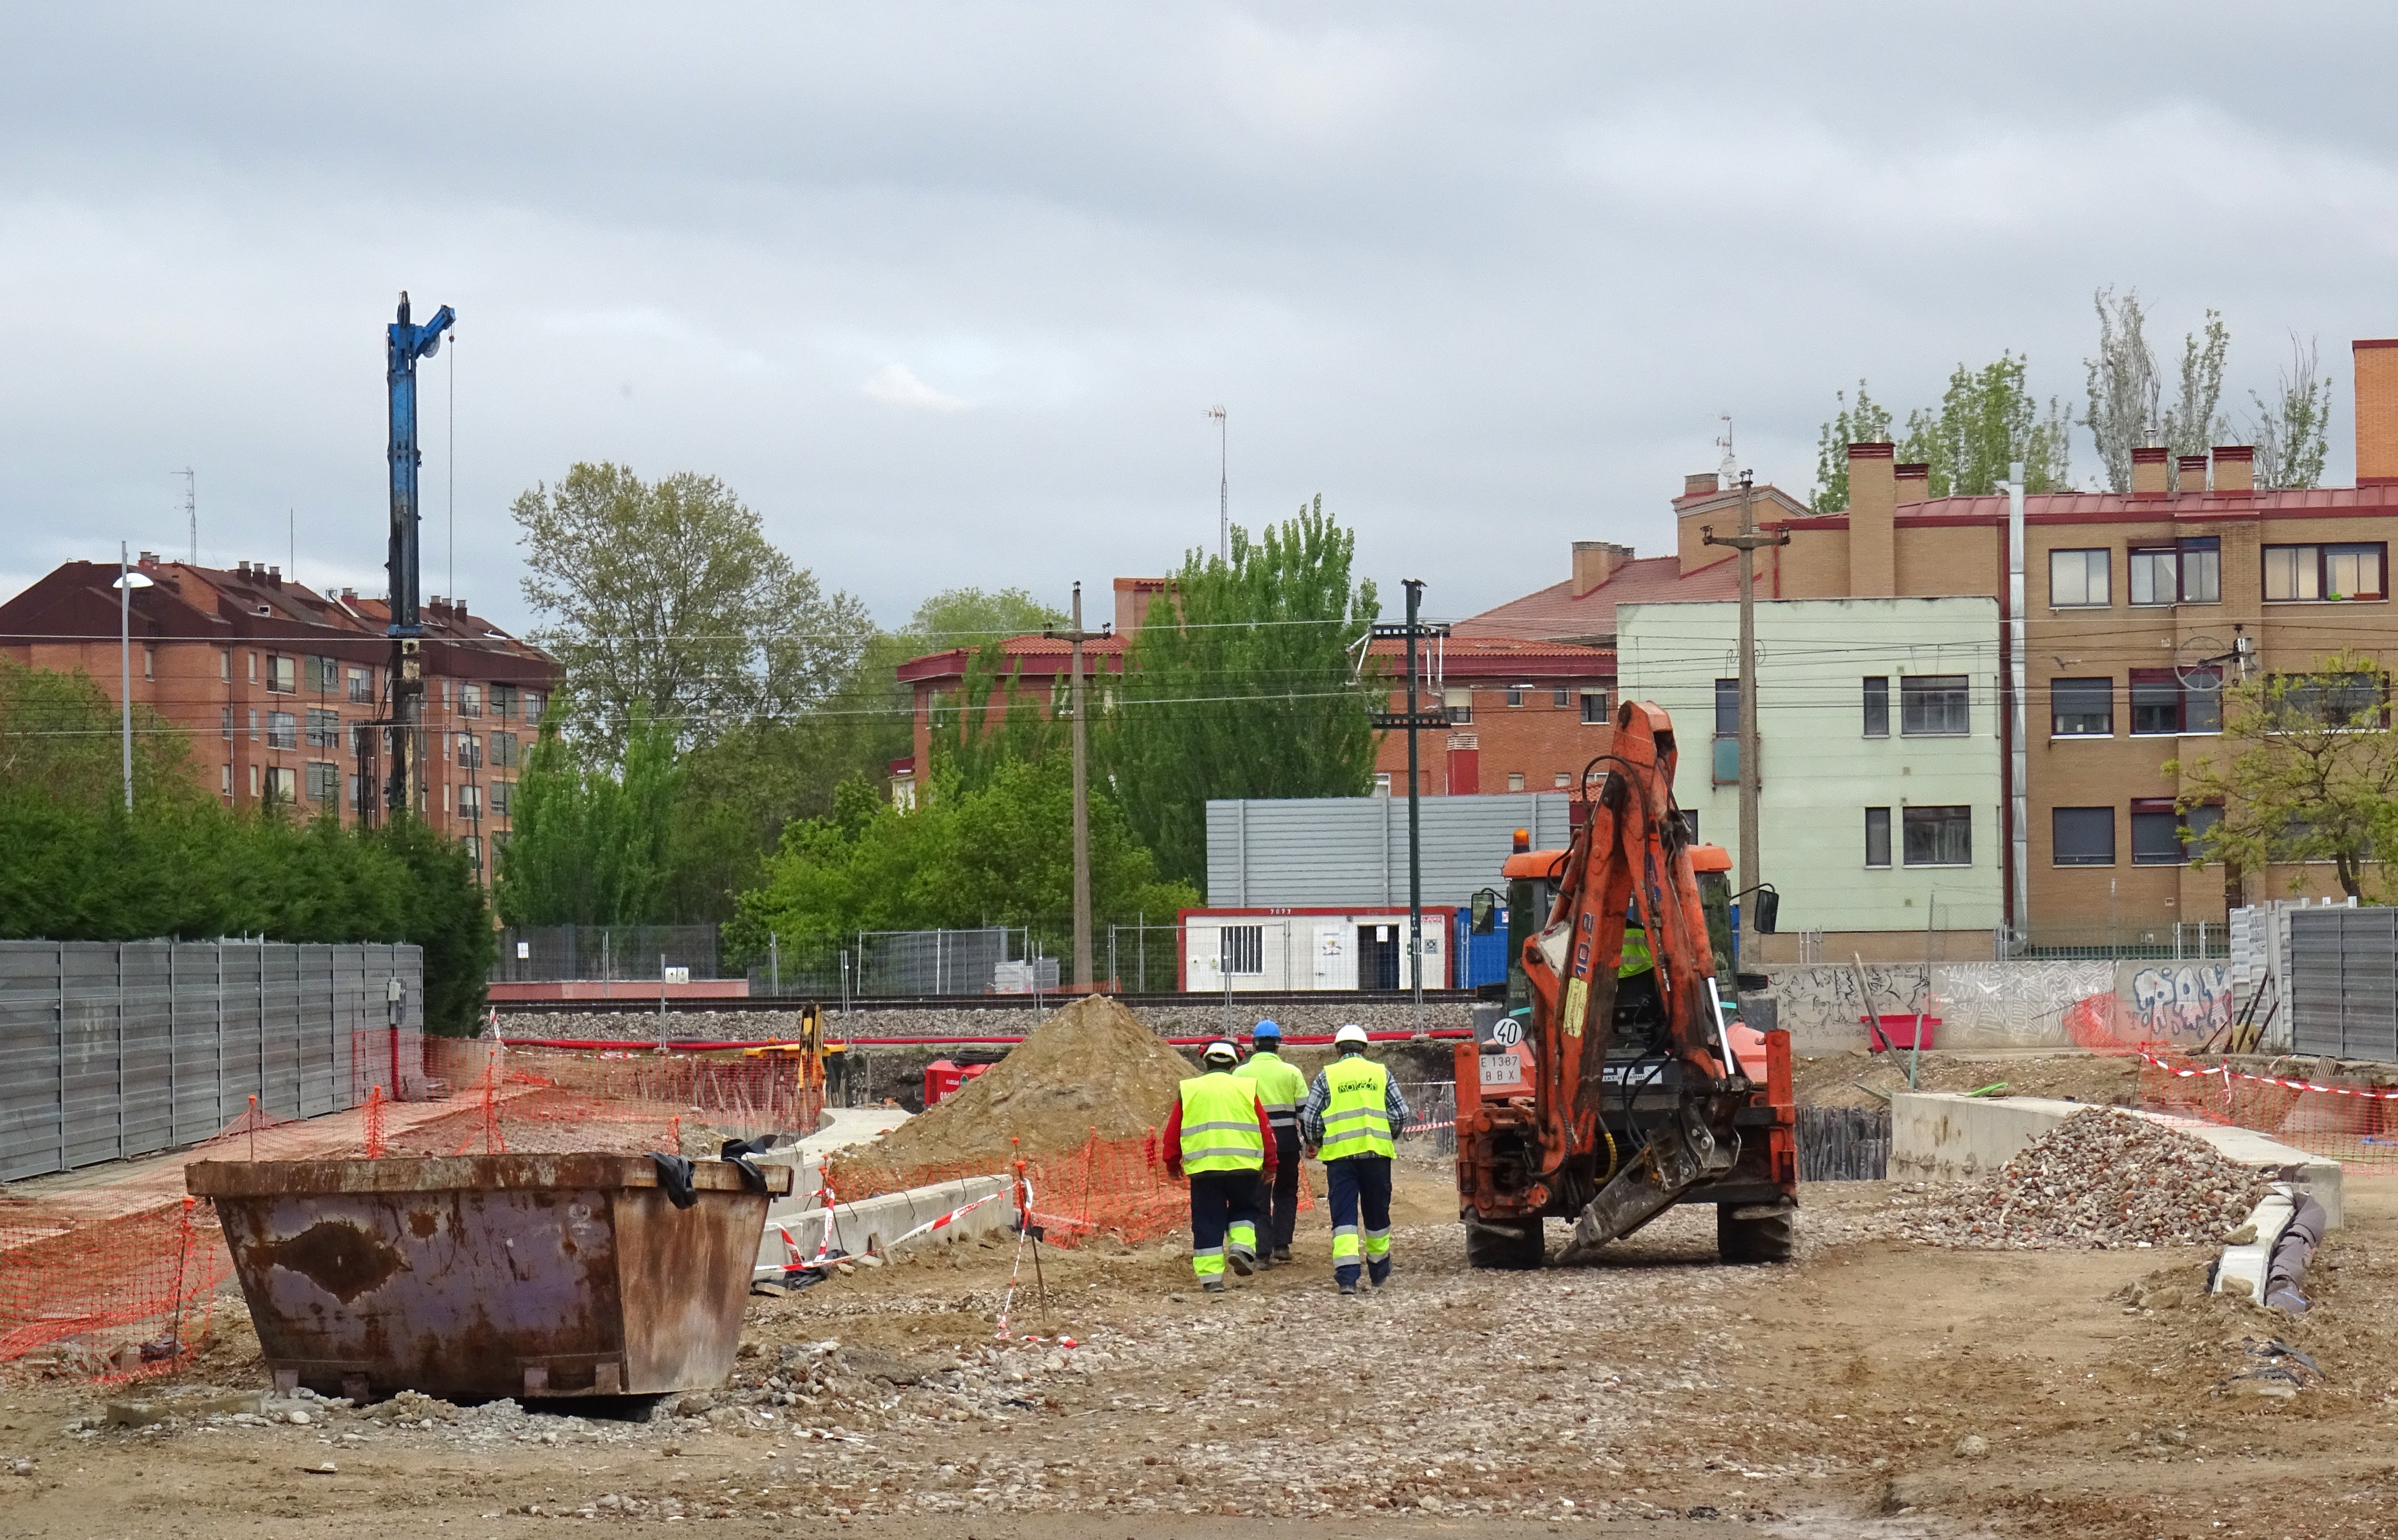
1979,1004
2177,1001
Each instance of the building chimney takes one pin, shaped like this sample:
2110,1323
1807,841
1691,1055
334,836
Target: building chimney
149,558
1913,481
2148,472
2235,468
2377,411
1595,561
274,577
349,595
2189,473
244,568
1702,485
1873,548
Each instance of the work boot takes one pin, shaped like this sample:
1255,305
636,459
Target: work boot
1378,1273
1242,1262
1264,1261
1282,1253
1347,1287
1212,1285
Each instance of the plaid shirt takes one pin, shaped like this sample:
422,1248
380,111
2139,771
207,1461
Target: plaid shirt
1319,1096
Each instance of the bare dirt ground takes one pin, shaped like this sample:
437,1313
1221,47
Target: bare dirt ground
1659,1393
1832,1079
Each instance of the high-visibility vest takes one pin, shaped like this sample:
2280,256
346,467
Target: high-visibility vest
1219,1124
1635,959
1280,1087
1356,1115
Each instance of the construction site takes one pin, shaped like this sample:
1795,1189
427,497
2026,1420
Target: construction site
2097,1287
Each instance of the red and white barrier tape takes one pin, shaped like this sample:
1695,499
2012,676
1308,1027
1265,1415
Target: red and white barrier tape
2228,1074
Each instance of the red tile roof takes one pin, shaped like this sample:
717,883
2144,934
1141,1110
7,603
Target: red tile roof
1555,615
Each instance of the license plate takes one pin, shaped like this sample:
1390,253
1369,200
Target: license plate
1501,1069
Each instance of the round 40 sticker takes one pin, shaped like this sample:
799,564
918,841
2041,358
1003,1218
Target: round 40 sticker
1507,1031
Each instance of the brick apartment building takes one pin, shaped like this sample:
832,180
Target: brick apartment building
272,684
2125,595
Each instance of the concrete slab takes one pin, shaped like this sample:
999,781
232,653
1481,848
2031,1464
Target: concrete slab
1942,1136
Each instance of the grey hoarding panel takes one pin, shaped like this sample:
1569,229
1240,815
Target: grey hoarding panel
1352,851
2344,982
111,1050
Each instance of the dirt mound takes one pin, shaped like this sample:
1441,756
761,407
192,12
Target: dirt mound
1092,1065
2100,1179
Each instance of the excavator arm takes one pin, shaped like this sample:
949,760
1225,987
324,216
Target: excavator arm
1632,854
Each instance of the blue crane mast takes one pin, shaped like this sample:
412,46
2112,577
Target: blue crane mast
406,343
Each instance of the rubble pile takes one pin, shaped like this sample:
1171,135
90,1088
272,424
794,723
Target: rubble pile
2101,1179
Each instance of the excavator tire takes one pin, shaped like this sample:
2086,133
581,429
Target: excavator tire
1766,1238
1513,1244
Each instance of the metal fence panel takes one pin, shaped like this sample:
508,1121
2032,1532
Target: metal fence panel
110,1051
2344,982
551,952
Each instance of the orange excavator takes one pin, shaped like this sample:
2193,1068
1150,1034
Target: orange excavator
1626,1092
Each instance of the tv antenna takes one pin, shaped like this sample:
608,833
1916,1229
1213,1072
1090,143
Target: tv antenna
1729,470
1223,483
191,509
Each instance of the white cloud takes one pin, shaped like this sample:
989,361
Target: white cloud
897,385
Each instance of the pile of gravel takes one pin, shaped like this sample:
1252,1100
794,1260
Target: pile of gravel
2101,1179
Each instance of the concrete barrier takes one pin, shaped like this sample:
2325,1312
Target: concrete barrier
1941,1136
876,1223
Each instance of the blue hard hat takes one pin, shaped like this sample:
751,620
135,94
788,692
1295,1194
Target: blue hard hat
1265,1029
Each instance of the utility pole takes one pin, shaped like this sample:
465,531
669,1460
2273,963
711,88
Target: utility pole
1413,721
1077,637
405,343
1747,542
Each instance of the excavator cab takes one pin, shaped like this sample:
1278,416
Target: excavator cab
1619,1084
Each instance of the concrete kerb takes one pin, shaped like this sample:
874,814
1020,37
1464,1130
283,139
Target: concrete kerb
876,1224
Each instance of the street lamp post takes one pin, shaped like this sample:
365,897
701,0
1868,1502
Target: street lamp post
128,580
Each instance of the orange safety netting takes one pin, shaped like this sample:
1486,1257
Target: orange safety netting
2352,1123
1113,1187
115,1276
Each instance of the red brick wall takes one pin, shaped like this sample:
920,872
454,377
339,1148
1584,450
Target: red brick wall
1539,741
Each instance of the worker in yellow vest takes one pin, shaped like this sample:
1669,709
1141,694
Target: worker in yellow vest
1218,1135
1351,1120
1281,1088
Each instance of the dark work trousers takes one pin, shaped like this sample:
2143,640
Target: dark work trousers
1284,1198
1224,1206
1356,1183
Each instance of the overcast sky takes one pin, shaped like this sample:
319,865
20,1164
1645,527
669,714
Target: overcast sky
944,292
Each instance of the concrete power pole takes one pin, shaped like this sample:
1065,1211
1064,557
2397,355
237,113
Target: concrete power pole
1412,721
1747,542
1077,637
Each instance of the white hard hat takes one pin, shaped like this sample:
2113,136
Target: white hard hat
1223,1049
1352,1033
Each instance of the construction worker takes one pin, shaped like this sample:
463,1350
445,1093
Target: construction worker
1219,1136
1352,1113
1281,1088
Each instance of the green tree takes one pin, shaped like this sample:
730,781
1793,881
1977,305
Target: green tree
594,841
79,866
998,854
1244,682
2292,432
2127,410
1987,420
667,597
969,617
1865,421
2306,769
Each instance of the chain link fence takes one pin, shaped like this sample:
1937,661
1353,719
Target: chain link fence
547,954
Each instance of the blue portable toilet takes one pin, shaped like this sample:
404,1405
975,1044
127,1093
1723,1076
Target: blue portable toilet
1480,960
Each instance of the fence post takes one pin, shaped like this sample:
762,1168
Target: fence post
775,960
